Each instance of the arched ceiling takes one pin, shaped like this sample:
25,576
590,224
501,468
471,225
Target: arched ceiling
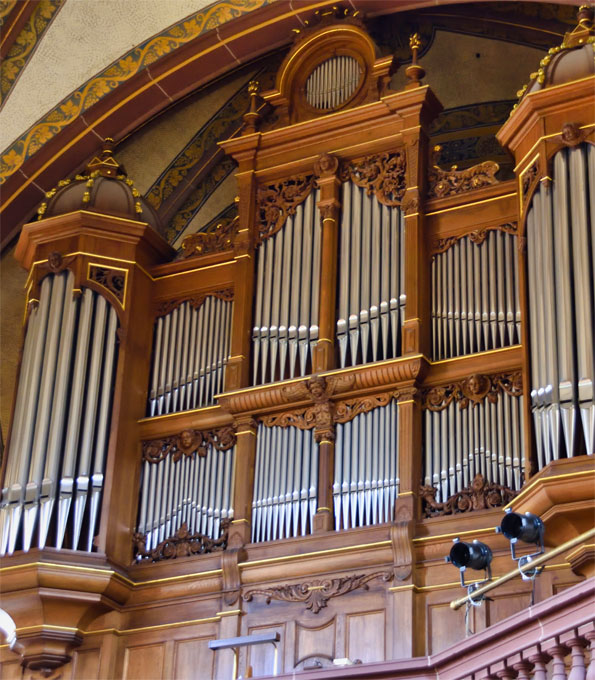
91,88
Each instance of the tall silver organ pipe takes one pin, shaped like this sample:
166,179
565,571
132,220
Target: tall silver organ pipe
333,82
285,483
371,279
190,352
482,439
561,283
287,297
475,296
59,438
196,490
366,481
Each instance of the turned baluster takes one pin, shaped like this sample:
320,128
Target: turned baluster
590,636
539,660
578,670
558,652
507,673
523,668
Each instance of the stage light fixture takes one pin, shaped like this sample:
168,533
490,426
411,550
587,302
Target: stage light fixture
527,528
473,555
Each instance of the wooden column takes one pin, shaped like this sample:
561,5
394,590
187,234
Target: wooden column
323,355
323,520
243,478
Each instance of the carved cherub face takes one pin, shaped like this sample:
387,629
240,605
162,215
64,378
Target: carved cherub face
186,440
54,260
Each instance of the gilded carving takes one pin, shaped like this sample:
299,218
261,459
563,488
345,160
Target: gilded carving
277,202
187,443
479,495
205,242
181,544
195,301
316,594
113,280
382,175
473,390
443,183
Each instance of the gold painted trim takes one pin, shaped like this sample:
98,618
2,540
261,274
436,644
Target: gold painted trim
323,508
520,182
161,626
576,551
553,134
477,354
245,432
471,532
47,626
231,612
194,411
568,475
330,551
240,521
468,205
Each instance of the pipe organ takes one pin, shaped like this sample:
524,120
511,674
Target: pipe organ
287,297
306,395
285,482
52,489
190,352
475,294
561,289
371,290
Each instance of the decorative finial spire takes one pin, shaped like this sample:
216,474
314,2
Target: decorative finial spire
252,116
105,164
414,71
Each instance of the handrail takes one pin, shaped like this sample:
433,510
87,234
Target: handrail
528,566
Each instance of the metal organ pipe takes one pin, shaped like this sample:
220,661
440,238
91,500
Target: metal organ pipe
190,352
561,286
285,483
61,424
483,439
287,285
475,300
333,82
371,298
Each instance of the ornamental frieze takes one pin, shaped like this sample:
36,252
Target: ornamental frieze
181,544
443,183
473,390
188,443
477,236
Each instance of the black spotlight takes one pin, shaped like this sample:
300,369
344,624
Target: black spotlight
474,555
527,528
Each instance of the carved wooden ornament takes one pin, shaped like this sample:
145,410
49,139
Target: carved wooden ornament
442,183
181,544
382,175
316,594
164,307
188,443
477,236
474,390
277,202
220,239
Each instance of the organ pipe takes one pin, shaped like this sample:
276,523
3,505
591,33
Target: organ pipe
561,286
371,298
475,299
285,483
56,461
287,297
333,82
190,352
366,481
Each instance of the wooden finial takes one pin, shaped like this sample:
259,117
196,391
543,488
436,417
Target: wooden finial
251,117
414,71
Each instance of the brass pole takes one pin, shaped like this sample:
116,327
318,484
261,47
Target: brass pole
542,559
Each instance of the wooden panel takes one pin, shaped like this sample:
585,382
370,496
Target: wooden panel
11,670
144,662
262,657
445,626
366,636
315,642
503,606
190,655
85,664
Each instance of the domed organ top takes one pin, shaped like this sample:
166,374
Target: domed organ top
572,60
104,187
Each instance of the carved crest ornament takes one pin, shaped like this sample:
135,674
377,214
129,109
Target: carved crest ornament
479,495
473,390
316,594
220,239
442,183
181,544
188,443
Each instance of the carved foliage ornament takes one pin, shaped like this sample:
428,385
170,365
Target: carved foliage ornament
382,175
187,443
479,495
206,242
442,183
195,301
316,594
181,544
529,177
276,202
113,280
473,390
478,236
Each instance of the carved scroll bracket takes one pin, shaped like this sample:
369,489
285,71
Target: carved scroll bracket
382,175
187,443
479,495
316,594
473,390
401,534
276,202
164,307
442,183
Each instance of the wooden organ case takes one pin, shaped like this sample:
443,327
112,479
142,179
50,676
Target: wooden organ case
312,400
